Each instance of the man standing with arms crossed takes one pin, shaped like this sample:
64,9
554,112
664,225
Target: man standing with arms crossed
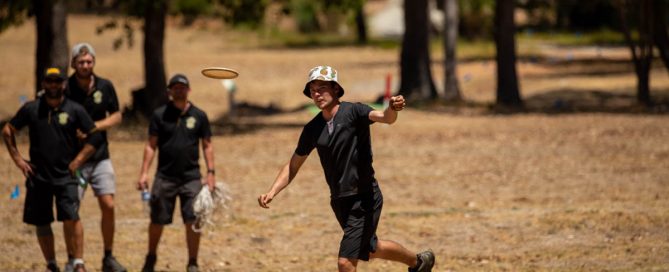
55,154
98,97
175,131
340,133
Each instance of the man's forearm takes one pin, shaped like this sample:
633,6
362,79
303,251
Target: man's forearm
10,142
390,115
111,120
147,159
84,154
209,157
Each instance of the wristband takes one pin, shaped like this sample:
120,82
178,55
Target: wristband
211,171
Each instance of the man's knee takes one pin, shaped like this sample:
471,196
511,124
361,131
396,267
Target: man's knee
346,265
43,230
106,203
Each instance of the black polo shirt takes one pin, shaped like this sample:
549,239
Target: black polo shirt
98,103
346,154
53,136
179,135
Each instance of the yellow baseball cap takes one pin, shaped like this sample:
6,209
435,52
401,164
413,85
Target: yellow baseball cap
54,72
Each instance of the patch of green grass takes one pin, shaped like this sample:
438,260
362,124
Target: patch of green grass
600,37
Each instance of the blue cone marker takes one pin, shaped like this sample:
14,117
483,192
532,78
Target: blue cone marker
15,194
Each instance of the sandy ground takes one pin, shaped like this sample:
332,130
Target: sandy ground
535,191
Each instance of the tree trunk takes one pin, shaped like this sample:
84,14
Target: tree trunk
508,93
361,24
642,54
451,85
154,64
643,85
660,32
52,48
416,81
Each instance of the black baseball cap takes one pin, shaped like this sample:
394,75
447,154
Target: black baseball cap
178,78
54,73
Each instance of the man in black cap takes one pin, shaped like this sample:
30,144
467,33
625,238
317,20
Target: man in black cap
175,131
98,97
341,134
55,154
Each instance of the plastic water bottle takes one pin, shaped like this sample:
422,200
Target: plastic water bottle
146,197
80,179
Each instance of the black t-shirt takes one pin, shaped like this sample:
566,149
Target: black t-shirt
346,154
53,136
98,103
178,137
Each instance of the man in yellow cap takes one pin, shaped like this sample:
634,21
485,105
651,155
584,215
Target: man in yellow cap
55,154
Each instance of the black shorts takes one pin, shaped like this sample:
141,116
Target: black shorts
358,216
164,196
38,208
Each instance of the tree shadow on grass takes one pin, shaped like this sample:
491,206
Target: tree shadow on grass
248,118
595,101
561,101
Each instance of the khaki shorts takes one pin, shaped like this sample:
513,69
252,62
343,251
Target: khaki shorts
100,177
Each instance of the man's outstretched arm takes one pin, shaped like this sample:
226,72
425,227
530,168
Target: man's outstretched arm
282,180
389,115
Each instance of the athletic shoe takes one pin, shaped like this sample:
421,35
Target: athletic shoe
149,263
52,267
79,268
110,264
426,261
69,267
191,268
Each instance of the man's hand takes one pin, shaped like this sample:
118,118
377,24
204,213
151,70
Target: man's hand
74,165
210,181
143,182
265,199
82,136
25,166
397,103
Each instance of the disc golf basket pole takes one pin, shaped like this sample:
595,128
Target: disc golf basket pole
231,87
386,94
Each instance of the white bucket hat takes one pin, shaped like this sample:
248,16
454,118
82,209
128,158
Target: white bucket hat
324,73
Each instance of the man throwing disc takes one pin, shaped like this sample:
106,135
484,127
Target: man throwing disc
341,134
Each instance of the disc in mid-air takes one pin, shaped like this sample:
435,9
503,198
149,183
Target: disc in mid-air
220,73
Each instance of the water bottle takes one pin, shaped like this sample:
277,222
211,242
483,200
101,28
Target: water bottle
80,179
146,196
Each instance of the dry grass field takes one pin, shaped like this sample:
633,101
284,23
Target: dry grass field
579,182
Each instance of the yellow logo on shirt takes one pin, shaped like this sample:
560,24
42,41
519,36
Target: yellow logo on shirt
190,122
97,97
62,118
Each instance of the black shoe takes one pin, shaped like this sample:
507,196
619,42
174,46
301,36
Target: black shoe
149,263
110,264
52,267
